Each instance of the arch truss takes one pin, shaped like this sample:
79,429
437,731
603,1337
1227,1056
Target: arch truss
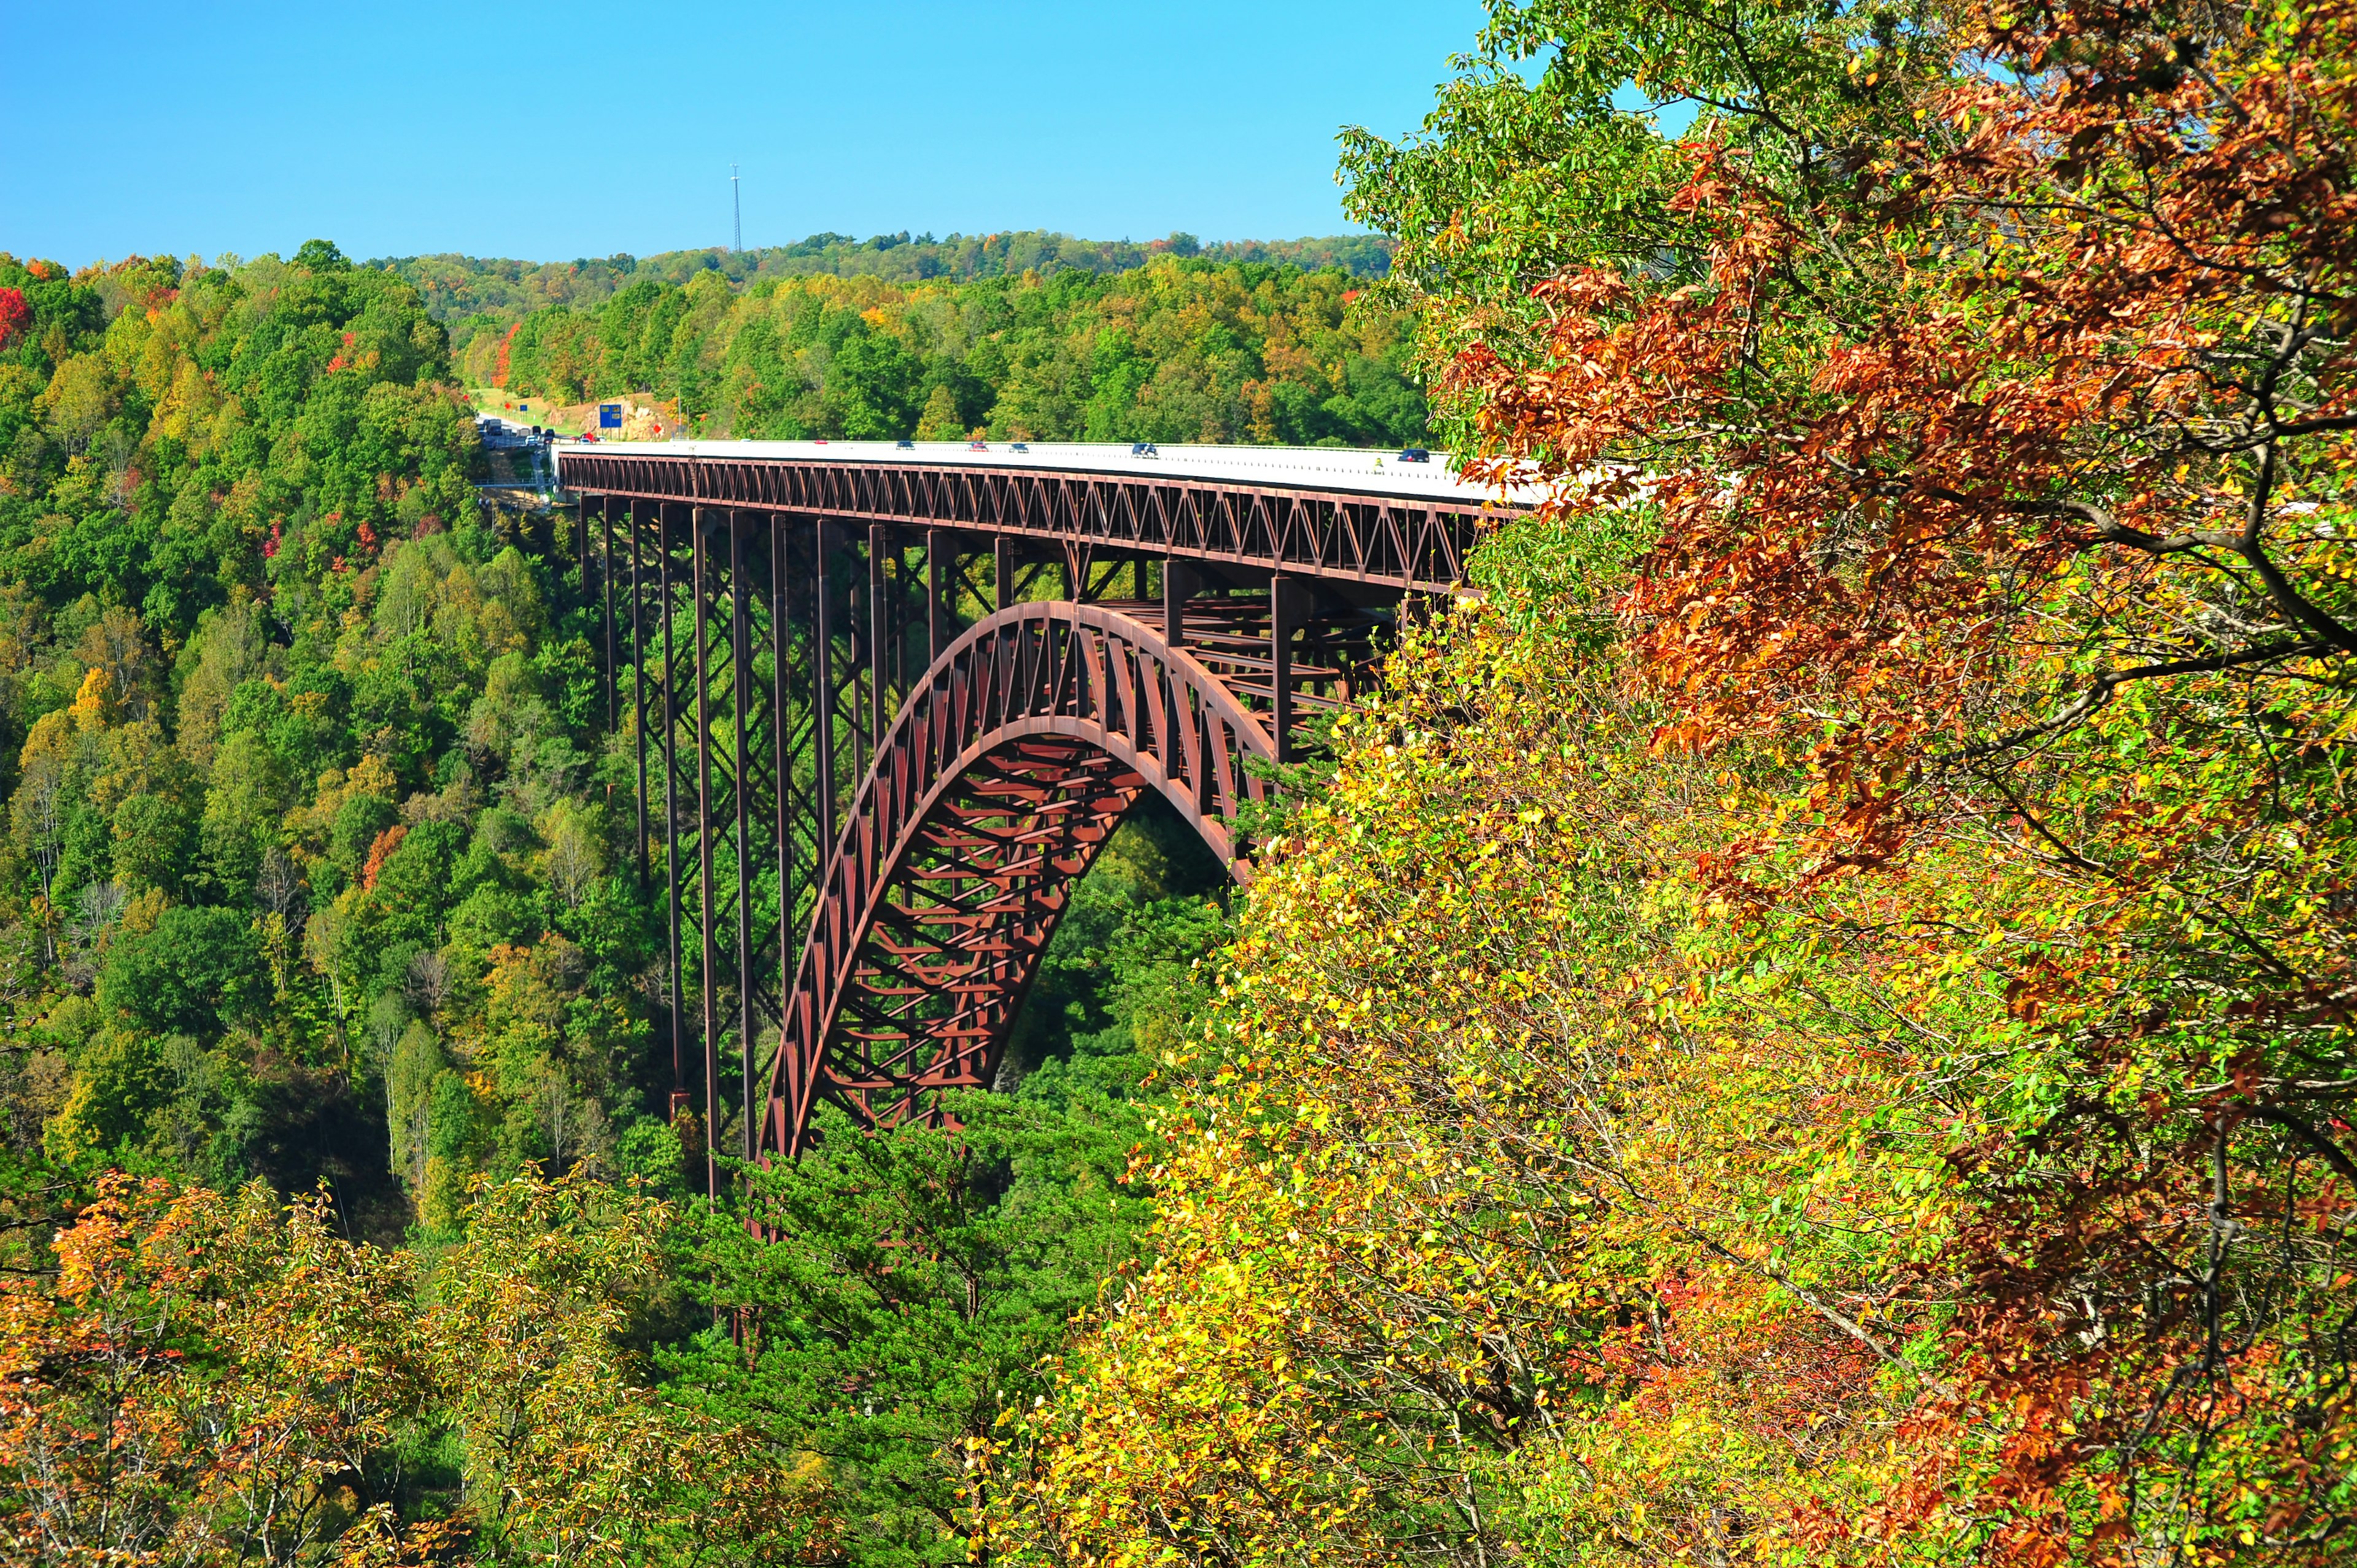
874,758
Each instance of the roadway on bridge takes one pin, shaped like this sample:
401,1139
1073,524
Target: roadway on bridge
1328,468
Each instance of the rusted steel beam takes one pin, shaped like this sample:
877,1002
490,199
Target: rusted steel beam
666,517
701,590
1388,541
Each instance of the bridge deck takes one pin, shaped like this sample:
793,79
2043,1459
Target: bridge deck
1342,517
1325,469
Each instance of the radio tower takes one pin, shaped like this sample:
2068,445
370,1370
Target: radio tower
737,202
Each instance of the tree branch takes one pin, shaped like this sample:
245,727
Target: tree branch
2328,1151
2100,693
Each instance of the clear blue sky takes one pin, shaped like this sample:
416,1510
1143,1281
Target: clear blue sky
555,131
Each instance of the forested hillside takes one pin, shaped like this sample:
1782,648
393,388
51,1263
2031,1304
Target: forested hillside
1175,350
1810,1023
283,700
454,288
314,888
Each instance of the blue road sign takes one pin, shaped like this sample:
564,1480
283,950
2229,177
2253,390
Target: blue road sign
609,416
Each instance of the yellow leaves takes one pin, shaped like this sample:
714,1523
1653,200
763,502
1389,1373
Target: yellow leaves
188,1315
82,394
298,1353
1518,1109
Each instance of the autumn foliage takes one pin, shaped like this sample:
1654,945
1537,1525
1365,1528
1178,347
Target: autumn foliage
214,1380
1816,1026
1809,1022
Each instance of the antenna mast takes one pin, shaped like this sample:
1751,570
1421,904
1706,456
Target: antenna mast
737,202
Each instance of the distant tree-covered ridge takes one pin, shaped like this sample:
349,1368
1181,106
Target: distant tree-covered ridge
1183,348
455,287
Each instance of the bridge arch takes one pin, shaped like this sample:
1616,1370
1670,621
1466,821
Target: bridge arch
1004,773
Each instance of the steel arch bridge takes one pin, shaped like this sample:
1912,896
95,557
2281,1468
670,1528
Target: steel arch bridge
888,703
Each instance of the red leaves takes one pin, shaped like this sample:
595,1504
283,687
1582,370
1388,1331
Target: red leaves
16,314
1978,493
380,851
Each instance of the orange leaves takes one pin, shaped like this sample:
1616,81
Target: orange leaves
201,1373
507,351
1856,1066
220,1380
379,850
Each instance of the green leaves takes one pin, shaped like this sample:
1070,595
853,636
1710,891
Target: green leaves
197,971
897,1294
222,1378
903,1291
1176,350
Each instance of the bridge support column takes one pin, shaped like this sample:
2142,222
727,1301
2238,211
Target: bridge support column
1179,581
1177,587
1288,606
939,543
635,528
883,640
823,682
860,637
580,545
667,515
790,931
741,661
605,505
699,538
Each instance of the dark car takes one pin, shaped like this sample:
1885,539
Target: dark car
1143,449
1415,454
1020,447
905,442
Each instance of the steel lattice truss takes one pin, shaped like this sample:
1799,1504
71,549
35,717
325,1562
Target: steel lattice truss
1333,534
1032,738
884,718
